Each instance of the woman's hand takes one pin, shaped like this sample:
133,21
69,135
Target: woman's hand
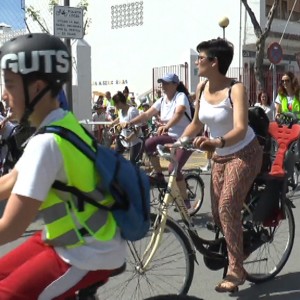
162,130
124,124
205,144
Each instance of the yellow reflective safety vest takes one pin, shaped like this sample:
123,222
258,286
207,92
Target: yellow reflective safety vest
64,224
295,105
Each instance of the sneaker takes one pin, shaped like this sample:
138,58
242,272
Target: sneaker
157,180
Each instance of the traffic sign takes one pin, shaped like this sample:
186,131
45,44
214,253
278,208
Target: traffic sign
68,22
274,53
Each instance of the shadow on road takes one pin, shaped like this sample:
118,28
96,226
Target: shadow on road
282,287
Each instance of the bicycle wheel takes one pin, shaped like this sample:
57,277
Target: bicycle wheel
268,259
171,269
195,191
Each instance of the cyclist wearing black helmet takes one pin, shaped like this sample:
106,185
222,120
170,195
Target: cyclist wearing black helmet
76,248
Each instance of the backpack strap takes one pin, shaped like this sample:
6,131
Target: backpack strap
198,100
233,82
72,137
82,146
186,114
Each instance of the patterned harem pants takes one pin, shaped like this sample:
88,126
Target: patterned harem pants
232,178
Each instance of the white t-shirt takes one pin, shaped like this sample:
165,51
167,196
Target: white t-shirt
167,109
219,119
131,114
98,118
38,167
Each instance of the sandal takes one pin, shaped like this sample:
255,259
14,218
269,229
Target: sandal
230,284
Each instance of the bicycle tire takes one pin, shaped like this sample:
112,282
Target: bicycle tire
195,191
266,262
162,275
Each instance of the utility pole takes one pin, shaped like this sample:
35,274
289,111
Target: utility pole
69,84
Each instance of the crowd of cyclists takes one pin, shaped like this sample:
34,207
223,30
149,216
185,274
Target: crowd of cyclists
236,159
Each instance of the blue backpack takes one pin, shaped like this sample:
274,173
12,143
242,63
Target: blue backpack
127,183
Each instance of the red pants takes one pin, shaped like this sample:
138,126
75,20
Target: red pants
34,271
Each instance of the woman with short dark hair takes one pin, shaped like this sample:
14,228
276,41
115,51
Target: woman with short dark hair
237,158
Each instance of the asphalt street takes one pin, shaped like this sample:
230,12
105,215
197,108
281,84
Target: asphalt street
285,286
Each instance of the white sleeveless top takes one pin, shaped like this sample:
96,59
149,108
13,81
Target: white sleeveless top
219,119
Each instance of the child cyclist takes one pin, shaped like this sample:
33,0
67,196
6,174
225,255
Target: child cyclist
76,248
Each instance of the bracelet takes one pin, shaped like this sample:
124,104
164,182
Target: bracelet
222,141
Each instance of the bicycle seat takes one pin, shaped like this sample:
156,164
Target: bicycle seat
284,137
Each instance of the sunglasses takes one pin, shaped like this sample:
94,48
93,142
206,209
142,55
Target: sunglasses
201,58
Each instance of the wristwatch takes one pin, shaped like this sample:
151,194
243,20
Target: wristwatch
222,141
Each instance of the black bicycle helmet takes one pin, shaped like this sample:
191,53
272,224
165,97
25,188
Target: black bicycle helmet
40,56
40,53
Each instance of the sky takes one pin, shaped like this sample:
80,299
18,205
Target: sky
11,13
171,30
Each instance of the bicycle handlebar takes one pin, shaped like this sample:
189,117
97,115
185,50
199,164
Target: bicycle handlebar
287,118
183,143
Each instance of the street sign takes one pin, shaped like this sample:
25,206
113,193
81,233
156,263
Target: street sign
274,53
68,22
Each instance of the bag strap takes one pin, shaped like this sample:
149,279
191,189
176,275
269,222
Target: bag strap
198,100
81,197
233,82
72,137
186,114
82,146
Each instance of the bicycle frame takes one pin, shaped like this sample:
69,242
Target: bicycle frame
172,194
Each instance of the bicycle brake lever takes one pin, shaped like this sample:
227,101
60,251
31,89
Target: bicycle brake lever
186,141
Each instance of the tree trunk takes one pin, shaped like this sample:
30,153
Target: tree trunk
259,61
261,41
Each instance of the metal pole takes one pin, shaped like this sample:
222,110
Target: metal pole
274,81
69,84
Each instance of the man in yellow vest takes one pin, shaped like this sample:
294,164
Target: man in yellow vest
76,248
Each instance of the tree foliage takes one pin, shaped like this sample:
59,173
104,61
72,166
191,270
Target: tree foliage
261,36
